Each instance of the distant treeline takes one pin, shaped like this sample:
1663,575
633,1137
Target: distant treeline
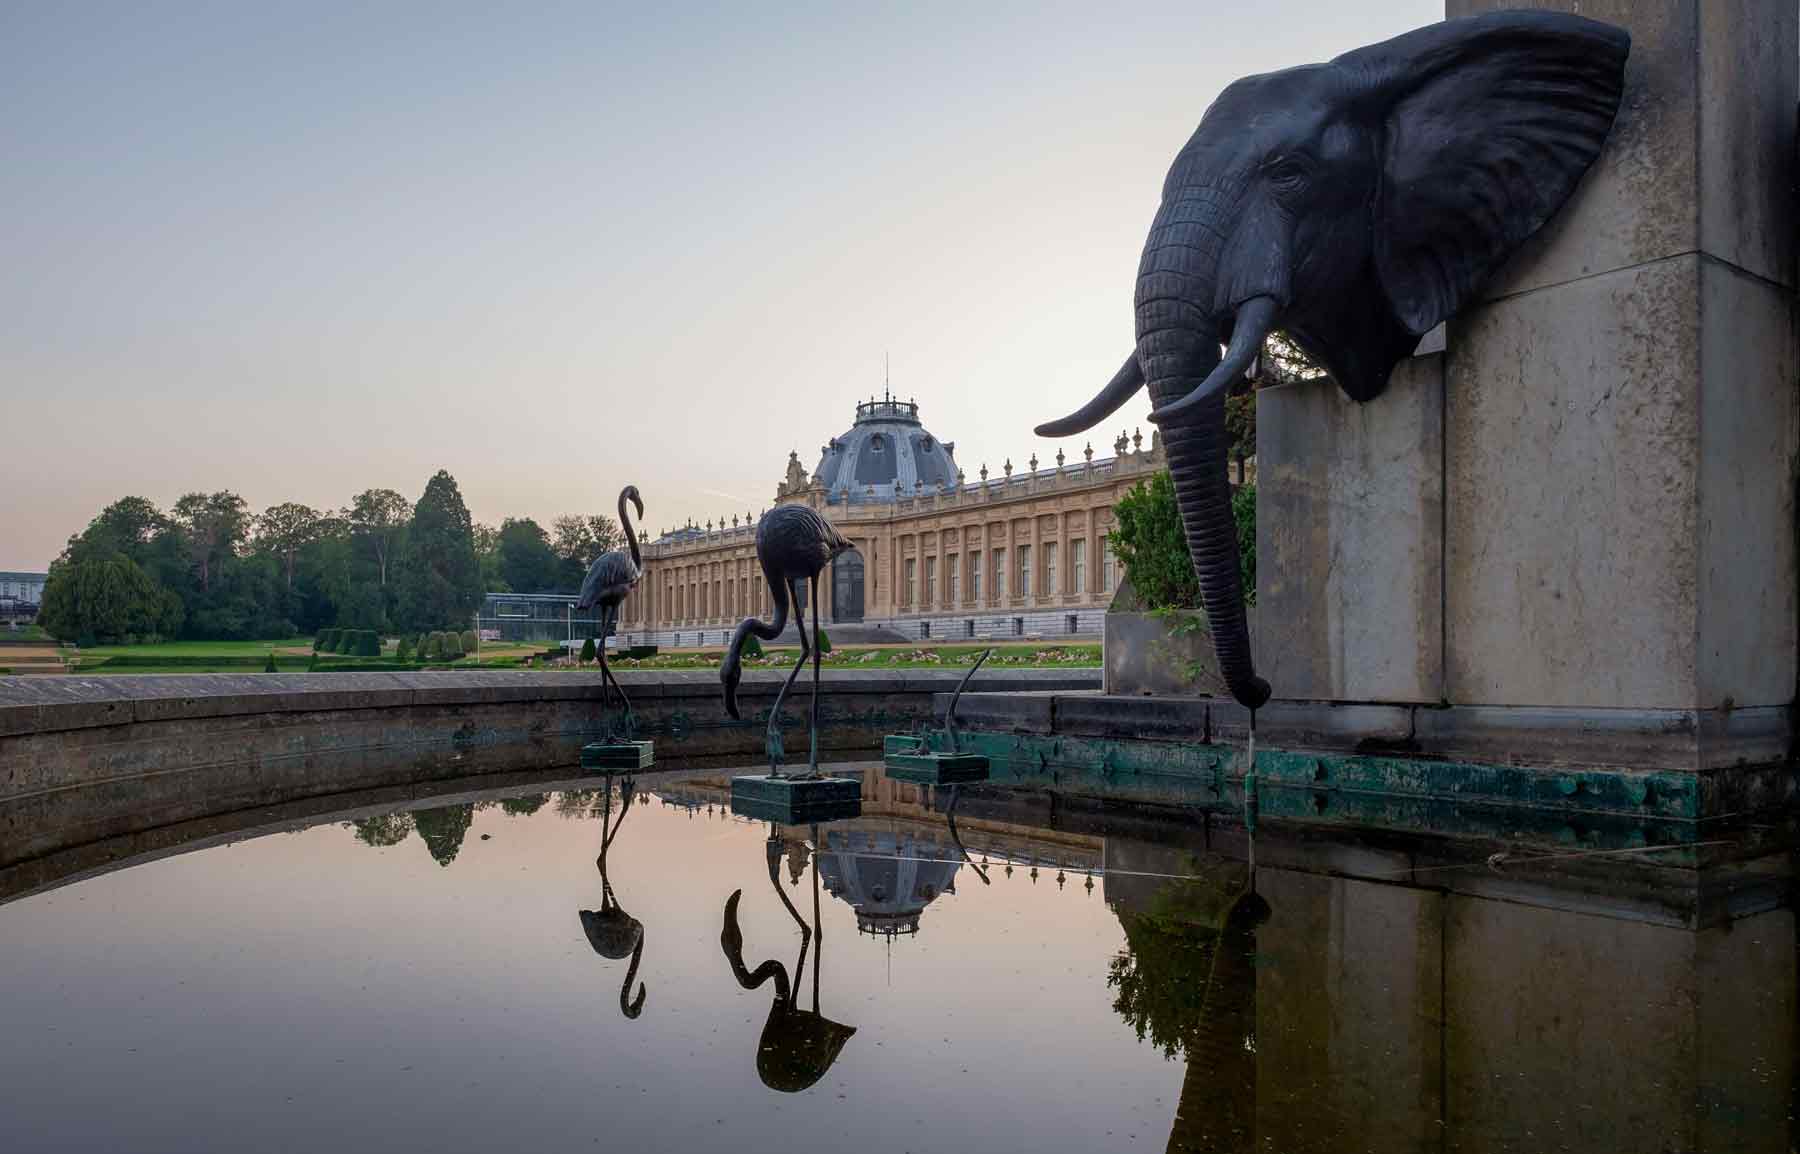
209,569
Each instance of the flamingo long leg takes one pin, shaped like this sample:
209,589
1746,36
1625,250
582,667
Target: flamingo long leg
775,711
813,760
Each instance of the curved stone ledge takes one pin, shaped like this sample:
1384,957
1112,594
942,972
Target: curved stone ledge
86,758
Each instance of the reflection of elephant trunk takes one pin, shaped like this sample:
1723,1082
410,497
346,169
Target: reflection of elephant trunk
1355,205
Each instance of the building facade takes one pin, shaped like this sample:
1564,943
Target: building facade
20,595
939,555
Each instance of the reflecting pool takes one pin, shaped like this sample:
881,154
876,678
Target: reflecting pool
571,964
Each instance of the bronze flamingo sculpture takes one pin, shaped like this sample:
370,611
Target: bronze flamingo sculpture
610,930
793,543
609,580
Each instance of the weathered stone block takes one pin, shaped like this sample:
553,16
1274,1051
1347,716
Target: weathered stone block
1159,655
1349,539
1620,504
1746,579
1572,458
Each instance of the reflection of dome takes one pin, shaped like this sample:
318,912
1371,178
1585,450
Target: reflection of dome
886,454
887,877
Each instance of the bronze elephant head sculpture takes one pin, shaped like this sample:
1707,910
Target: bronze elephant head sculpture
1353,205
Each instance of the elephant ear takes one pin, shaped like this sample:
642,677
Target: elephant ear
1489,124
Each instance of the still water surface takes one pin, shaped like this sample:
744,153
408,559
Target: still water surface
462,977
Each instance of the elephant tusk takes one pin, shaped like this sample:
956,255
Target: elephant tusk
1128,380
1255,318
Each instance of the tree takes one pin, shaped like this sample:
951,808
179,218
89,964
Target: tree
403,649
578,540
487,558
214,526
106,599
388,829
528,564
440,584
128,526
443,829
285,529
379,517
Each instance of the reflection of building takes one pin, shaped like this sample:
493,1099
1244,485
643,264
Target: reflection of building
887,873
939,554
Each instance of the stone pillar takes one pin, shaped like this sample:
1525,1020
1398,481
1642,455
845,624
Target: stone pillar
1620,411
1350,539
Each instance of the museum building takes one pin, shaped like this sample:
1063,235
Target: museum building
939,555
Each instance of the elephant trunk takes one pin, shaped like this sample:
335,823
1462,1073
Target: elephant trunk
1198,449
1178,346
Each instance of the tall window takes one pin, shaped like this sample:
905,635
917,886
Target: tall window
931,580
1050,573
953,566
1024,552
1109,567
975,577
1078,566
999,575
911,580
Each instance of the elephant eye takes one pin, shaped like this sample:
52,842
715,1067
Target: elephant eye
1286,172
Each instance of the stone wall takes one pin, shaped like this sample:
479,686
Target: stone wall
86,758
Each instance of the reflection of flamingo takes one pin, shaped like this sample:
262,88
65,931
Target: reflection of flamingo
609,579
797,1046
794,544
610,930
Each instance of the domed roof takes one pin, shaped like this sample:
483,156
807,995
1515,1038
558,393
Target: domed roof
886,454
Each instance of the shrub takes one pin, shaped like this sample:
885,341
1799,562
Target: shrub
1243,512
346,641
269,665
434,645
752,646
470,643
823,640
587,650
368,643
1150,542
403,649
452,646
326,641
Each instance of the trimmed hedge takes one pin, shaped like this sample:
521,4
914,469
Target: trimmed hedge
823,640
368,643
403,648
752,646
587,650
452,646
470,643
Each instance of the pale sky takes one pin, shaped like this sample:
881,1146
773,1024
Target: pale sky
298,251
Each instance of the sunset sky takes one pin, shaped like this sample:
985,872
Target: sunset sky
302,250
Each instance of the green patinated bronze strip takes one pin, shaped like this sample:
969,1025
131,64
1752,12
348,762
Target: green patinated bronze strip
1197,773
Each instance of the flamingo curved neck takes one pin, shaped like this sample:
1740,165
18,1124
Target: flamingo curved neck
631,540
